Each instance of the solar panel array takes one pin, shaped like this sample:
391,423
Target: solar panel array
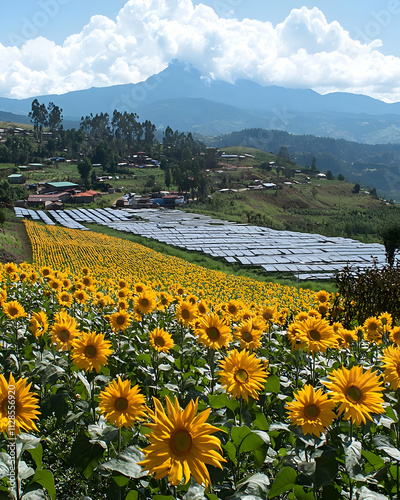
307,256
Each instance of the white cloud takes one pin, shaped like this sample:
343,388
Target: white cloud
302,51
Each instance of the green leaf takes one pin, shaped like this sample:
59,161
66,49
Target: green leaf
120,480
272,385
285,480
37,456
132,495
230,450
238,434
261,422
85,382
46,479
163,497
85,455
195,492
250,443
221,400
300,494
127,463
375,460
56,404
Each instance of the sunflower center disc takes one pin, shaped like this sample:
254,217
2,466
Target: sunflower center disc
90,351
315,335
159,341
13,311
121,404
267,316
354,394
120,320
144,302
311,411
372,326
247,336
64,335
213,333
181,442
241,375
232,309
185,314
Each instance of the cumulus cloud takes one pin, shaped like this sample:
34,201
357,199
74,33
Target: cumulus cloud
304,50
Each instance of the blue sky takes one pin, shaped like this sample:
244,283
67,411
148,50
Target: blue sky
328,45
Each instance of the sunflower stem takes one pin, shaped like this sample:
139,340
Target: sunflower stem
211,362
119,440
240,411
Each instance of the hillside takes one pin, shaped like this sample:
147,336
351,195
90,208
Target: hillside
374,166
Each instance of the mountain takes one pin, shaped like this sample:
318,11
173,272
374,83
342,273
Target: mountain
182,98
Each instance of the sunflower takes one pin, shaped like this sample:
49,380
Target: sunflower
3,296
87,281
16,399
234,307
312,410
164,299
386,320
122,283
395,335
139,287
10,267
242,374
90,351
160,340
322,296
85,271
181,444
38,323
122,404
391,361
120,320
46,271
268,313
81,296
55,284
185,312
124,293
317,333
213,332
64,331
248,335
356,392
122,304
301,316
346,337
13,309
373,330
296,341
65,299
314,313
145,302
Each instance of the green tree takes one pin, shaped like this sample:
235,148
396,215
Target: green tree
356,188
2,220
340,177
54,117
314,163
85,168
329,175
391,239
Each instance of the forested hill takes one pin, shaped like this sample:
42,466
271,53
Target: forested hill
373,165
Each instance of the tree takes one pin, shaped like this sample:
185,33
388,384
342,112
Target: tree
391,239
340,177
85,168
314,163
356,188
329,175
54,117
39,117
2,220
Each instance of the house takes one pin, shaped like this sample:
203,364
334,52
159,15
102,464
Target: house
320,176
59,186
171,200
85,197
269,185
16,179
40,200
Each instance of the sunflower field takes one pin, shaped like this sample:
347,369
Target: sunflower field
126,374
